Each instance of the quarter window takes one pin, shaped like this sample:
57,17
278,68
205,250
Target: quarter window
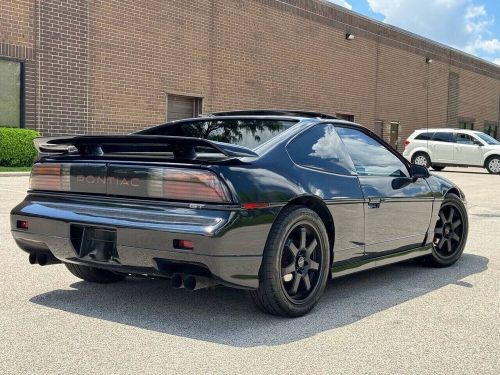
10,94
321,148
424,136
442,137
370,157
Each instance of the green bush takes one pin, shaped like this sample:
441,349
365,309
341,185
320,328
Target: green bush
16,147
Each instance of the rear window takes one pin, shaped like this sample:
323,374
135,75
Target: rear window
424,136
443,137
248,133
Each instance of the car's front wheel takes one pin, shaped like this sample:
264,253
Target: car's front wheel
94,275
295,266
493,165
421,158
450,233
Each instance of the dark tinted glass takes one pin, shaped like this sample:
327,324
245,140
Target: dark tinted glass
443,137
249,133
321,148
424,136
370,157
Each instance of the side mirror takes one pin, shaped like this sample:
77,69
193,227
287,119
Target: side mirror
418,171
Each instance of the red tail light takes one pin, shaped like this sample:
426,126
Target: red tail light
406,143
50,177
187,185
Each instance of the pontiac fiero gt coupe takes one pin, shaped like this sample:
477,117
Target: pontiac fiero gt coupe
276,202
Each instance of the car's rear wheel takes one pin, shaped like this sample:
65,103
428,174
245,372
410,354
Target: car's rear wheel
438,167
450,233
493,165
421,158
94,275
295,266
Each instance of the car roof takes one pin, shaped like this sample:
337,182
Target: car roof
272,112
445,130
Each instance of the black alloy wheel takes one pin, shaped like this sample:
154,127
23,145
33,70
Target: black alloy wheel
296,264
300,263
450,233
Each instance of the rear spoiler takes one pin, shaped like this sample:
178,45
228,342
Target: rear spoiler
181,147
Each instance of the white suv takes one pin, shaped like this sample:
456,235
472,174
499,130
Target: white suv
453,147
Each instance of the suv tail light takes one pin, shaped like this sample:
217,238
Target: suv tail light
406,143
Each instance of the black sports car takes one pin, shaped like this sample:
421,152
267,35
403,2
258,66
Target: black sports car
276,202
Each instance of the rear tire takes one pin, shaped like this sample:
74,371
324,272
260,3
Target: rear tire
493,165
295,265
94,275
450,234
421,158
438,168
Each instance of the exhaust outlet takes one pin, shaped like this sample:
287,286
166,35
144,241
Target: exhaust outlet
192,282
176,281
43,259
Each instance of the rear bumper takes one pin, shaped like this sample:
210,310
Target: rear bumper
229,244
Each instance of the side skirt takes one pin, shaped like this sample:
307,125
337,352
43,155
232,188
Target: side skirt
367,264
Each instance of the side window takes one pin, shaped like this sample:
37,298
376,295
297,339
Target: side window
464,139
424,136
321,148
442,137
370,157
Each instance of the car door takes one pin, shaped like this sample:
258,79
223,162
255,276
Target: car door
442,147
396,217
468,150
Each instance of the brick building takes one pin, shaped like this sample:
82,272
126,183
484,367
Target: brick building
113,66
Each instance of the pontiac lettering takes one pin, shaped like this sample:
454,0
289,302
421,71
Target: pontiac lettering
101,180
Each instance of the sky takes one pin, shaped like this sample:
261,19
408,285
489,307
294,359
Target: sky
472,26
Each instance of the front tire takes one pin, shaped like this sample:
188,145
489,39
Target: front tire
422,159
295,265
437,168
94,275
493,165
450,234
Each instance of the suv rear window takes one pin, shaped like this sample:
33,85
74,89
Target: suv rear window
249,133
442,137
424,136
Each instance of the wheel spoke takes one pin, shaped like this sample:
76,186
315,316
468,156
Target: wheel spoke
295,285
307,282
313,266
448,242
302,238
455,237
291,246
441,242
311,248
450,217
288,269
441,216
456,224
438,230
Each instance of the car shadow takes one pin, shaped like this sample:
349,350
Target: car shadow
465,171
226,316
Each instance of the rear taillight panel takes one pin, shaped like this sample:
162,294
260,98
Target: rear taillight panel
191,185
406,143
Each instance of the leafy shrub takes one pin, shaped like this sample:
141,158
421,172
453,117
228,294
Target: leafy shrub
16,147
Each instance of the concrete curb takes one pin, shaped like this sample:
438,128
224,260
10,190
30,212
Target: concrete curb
14,174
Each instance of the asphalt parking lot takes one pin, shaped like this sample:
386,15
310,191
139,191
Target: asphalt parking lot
399,319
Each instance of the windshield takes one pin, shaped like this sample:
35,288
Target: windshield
248,133
488,139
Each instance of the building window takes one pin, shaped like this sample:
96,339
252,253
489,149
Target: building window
181,107
466,124
345,116
491,128
11,89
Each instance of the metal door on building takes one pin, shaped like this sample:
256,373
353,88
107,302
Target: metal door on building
394,135
181,107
